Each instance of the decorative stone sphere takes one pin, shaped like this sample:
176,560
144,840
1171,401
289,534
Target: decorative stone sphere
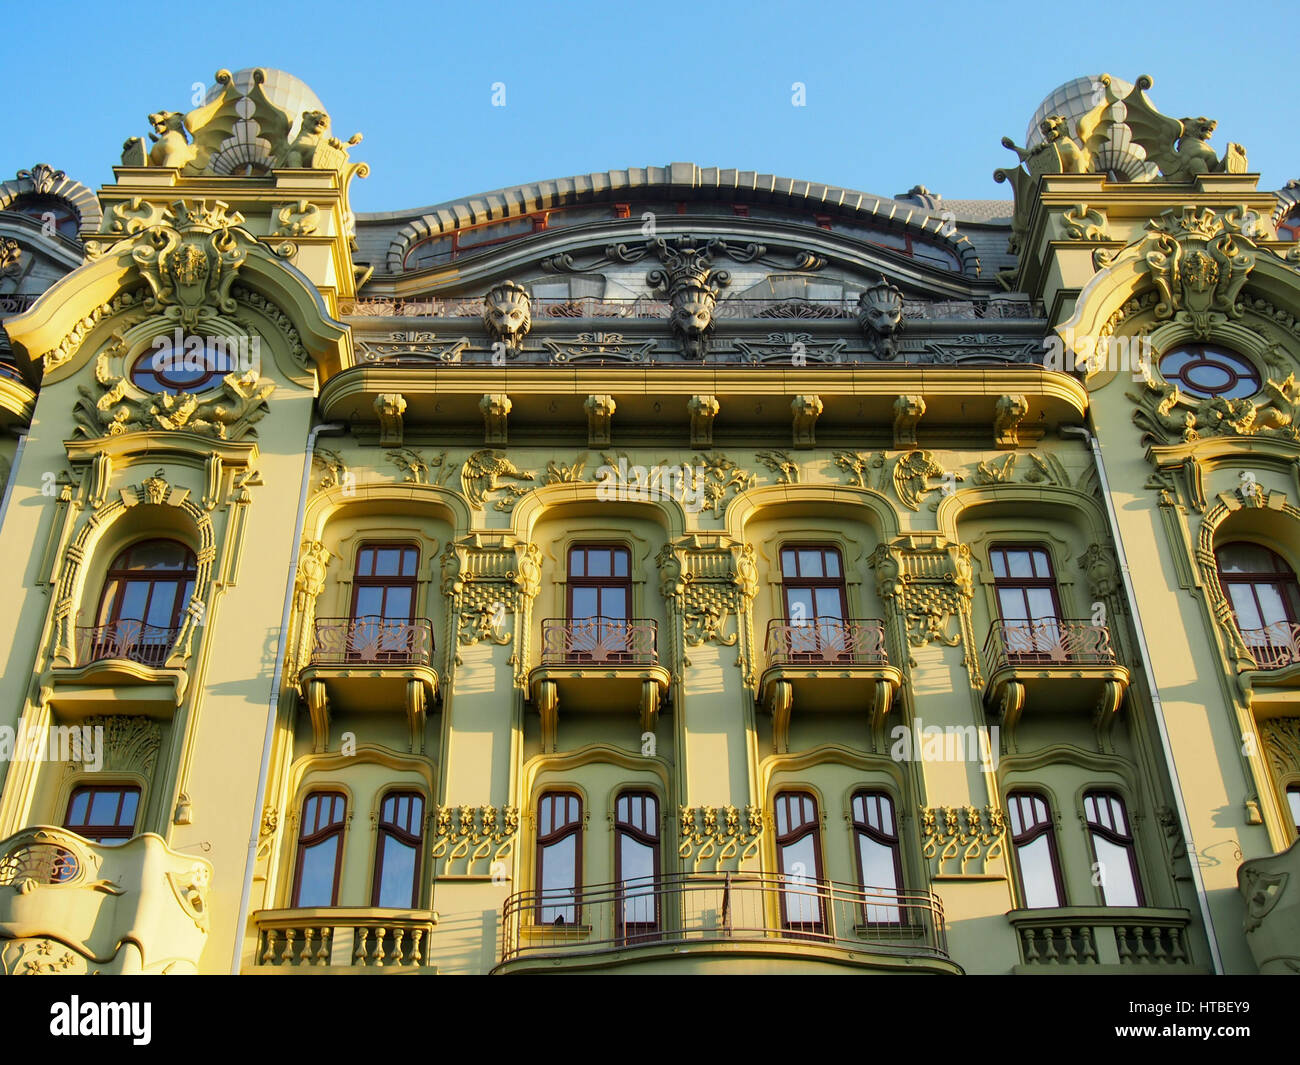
1121,157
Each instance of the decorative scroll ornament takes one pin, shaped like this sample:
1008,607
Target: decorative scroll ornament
692,286
1167,415
507,314
797,349
1084,223
962,840
1198,262
464,836
107,410
713,476
190,260
880,314
712,835
598,347
479,476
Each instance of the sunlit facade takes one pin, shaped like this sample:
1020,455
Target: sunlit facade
675,569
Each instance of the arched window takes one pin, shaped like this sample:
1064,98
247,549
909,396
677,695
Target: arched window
1034,840
559,858
397,851
799,860
103,813
1113,848
636,863
1265,600
146,591
880,864
320,849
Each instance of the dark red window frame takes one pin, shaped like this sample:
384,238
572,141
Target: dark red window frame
120,828
1100,816
404,825
792,810
564,820
1029,832
636,816
326,821
866,803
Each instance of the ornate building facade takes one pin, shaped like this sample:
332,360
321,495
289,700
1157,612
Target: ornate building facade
659,570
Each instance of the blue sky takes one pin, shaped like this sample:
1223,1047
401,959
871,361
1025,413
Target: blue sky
895,95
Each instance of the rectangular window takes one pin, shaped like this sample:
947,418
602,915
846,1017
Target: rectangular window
103,813
880,866
1034,841
1027,603
397,852
320,850
559,859
383,603
600,603
1113,849
812,581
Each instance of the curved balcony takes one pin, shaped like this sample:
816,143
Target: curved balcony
1275,681
370,664
829,664
597,664
68,905
744,922
357,939
124,667
1061,665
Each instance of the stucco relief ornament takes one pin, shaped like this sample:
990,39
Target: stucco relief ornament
480,474
508,315
1198,262
692,287
190,261
880,314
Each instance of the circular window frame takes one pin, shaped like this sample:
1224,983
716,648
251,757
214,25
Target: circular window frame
1231,361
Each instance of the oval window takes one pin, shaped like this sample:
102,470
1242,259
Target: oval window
1206,370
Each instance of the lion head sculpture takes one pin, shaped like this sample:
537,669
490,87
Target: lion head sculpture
880,314
507,314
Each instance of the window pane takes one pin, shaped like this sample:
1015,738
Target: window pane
388,562
788,564
409,560
1040,603
397,604
1293,800
879,877
397,877
832,564
810,564
1272,608
1018,564
799,864
77,810
130,801
369,601
133,603
598,563
559,880
1036,873
620,563
162,604
103,808
1116,870
828,603
577,562
636,872
613,602
1243,604
998,558
586,602
1012,605
316,888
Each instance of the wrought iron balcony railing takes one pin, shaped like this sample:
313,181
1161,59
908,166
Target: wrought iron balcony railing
1274,647
134,641
373,640
826,641
600,641
1047,641
745,908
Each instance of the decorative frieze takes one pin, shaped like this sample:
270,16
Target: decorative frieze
962,840
485,472
715,836
466,837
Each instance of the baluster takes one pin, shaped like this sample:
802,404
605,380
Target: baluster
1140,943
1121,942
305,957
416,956
398,935
1158,943
1089,948
379,955
359,955
326,942
1049,935
1176,951
268,955
287,956
1068,953
1027,936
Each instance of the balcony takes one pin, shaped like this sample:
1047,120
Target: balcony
68,905
124,667
1275,680
1103,939
344,938
1058,665
370,665
1270,889
598,663
742,922
827,665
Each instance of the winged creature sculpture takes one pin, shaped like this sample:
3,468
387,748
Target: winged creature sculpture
1180,148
